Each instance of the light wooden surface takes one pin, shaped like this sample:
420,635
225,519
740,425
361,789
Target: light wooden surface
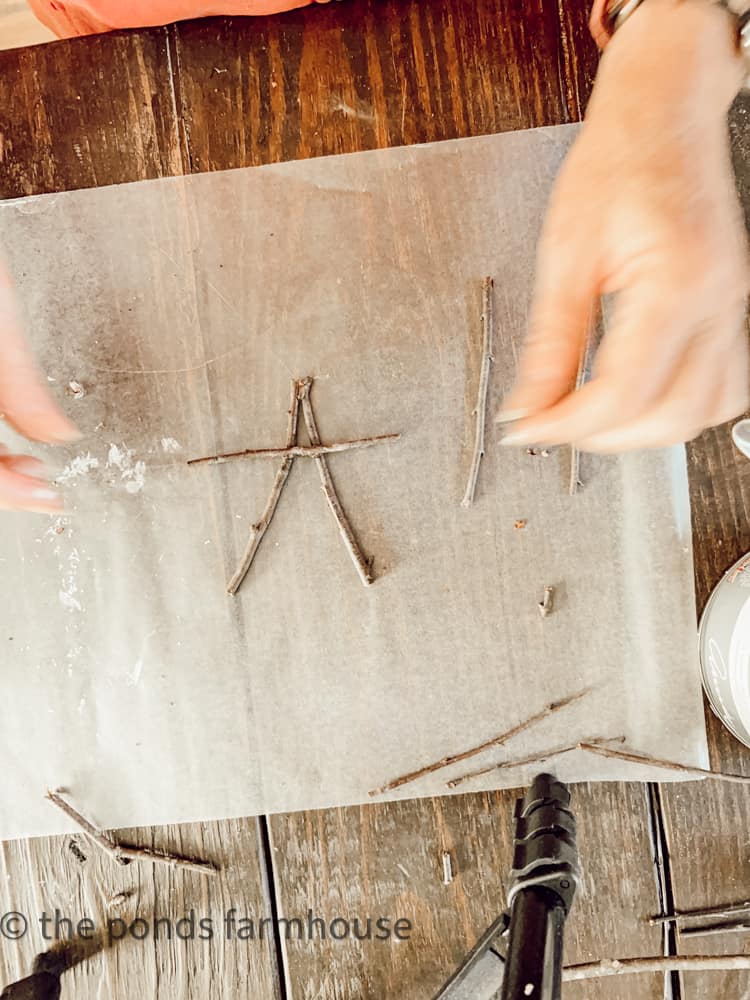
388,859
334,78
18,26
43,875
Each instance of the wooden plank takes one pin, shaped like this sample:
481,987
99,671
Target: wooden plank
707,826
386,861
87,112
367,74
73,877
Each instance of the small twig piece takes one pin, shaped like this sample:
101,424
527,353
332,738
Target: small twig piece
666,765
296,450
447,868
658,963
545,605
534,758
282,474
122,853
710,930
581,376
363,565
496,741
484,382
729,910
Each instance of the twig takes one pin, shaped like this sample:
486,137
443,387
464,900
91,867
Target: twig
296,451
282,474
545,605
363,566
581,375
666,765
534,758
484,382
709,930
730,910
122,853
447,868
658,963
496,741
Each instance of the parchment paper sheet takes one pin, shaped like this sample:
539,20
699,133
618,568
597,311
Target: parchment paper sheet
184,307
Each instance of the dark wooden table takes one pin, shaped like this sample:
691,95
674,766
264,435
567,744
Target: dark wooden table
217,94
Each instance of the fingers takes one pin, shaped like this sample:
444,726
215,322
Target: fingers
23,488
706,385
635,365
24,403
561,316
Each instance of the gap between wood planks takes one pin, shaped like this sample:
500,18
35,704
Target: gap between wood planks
663,879
269,889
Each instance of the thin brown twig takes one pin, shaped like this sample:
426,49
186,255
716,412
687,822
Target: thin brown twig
296,450
725,910
657,963
495,741
581,376
666,765
546,603
711,930
534,758
364,568
123,854
282,474
484,382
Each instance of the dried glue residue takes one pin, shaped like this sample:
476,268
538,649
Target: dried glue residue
81,465
69,585
132,472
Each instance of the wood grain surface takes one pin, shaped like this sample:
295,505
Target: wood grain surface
387,859
72,877
362,74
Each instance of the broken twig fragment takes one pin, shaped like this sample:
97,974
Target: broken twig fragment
484,383
657,963
633,757
534,758
447,868
296,450
282,474
727,910
584,363
601,746
364,566
123,854
546,603
712,930
495,741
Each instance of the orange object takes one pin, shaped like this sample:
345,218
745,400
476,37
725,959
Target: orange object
68,18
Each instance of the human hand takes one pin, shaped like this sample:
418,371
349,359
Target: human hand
29,408
645,207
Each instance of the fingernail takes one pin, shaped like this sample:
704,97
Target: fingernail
67,435
514,438
45,494
509,416
26,466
